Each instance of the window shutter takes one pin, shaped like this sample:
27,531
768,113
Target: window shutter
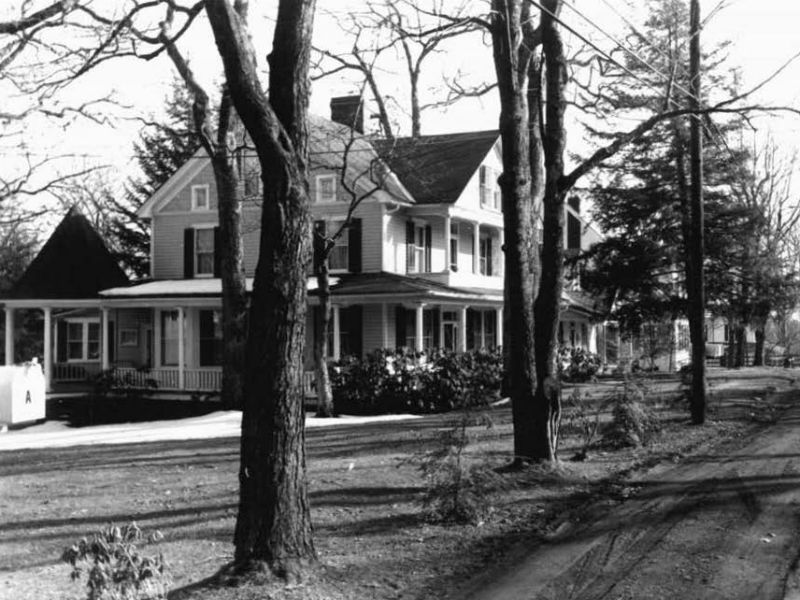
472,316
188,253
61,348
111,341
409,245
318,243
573,232
400,326
437,319
217,257
354,246
206,338
428,244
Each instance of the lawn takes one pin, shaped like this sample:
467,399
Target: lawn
372,536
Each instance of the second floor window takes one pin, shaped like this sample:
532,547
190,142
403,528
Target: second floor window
339,258
204,251
326,188
489,190
418,248
200,197
485,262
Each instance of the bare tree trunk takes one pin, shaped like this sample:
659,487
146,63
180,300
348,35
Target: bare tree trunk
758,352
234,291
697,306
323,379
511,60
547,309
273,527
739,360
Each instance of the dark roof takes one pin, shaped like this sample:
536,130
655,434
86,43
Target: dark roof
391,284
436,168
73,264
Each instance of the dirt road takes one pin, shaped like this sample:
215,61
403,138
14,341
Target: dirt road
720,527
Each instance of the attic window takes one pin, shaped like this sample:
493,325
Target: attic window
200,197
326,188
489,190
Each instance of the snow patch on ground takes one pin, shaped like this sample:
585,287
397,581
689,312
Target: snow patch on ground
221,424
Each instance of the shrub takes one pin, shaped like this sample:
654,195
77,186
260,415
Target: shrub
387,381
632,423
116,570
582,417
457,490
577,364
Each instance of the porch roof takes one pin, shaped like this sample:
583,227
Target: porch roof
181,288
382,285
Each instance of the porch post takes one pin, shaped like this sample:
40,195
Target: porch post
384,325
462,329
447,258
476,248
498,328
418,330
181,350
48,348
9,335
104,339
337,324
157,361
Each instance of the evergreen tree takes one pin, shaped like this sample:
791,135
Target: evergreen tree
163,147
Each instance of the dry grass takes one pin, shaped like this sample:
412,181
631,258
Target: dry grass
371,534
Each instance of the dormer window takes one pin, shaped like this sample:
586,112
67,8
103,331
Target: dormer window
200,197
326,188
489,190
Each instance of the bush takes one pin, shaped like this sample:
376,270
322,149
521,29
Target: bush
577,364
116,569
632,423
396,381
457,490
581,416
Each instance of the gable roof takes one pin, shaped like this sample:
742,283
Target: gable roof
437,168
73,264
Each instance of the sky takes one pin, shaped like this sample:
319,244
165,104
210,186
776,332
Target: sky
763,36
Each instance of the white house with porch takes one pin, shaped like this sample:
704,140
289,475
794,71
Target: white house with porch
419,266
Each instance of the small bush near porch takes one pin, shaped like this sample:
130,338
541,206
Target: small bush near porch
402,381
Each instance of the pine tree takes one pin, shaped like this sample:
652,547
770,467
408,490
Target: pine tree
163,147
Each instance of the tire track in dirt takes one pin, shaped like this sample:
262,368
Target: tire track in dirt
722,527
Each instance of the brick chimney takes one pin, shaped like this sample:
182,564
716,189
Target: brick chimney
348,110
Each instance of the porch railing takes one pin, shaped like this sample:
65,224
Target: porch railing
200,380
75,371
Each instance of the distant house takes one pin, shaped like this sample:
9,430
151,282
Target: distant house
420,266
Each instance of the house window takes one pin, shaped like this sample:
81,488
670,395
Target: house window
454,247
489,190
210,338
430,327
204,252
481,329
485,257
200,197
326,188
419,250
169,338
339,258
128,337
83,340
